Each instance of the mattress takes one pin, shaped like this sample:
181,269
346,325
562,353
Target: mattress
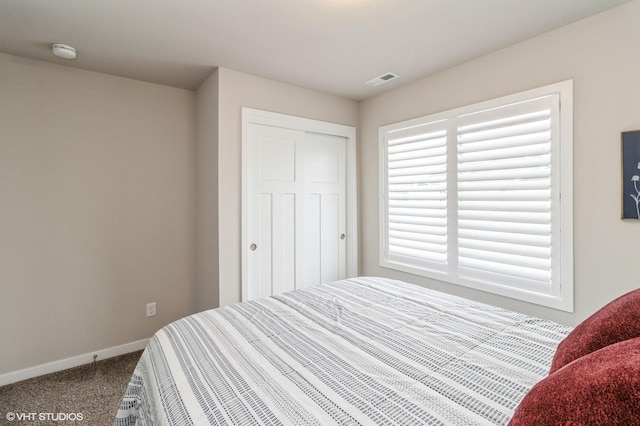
358,351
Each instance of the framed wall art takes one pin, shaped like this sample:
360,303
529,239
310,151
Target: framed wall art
631,175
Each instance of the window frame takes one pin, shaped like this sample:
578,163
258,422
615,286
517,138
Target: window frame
560,295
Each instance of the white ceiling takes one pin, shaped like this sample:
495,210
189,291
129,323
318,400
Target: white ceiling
333,46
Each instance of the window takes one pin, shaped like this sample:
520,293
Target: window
481,196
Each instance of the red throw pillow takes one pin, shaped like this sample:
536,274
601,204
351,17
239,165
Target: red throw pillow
602,388
617,321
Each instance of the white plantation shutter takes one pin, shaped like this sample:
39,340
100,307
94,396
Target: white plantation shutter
417,196
473,196
505,193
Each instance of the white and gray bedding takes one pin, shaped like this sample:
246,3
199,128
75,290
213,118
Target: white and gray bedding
357,351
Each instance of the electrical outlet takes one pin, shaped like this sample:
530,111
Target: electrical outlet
151,309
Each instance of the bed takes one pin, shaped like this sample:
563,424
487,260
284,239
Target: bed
357,351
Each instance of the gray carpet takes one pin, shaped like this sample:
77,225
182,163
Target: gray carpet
94,390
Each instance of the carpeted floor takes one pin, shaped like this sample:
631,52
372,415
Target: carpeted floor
93,390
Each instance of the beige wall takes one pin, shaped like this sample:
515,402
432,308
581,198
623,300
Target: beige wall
600,54
235,91
207,270
97,196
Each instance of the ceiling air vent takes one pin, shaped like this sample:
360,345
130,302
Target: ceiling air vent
388,76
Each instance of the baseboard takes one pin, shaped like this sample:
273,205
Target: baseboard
63,364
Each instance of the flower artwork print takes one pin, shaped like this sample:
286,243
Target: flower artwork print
631,175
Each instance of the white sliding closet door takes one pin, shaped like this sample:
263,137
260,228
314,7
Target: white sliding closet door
294,209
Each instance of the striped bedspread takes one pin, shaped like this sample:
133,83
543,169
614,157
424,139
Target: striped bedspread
360,351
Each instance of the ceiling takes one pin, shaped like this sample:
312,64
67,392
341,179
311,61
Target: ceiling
333,46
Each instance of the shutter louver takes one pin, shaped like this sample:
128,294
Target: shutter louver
417,196
504,194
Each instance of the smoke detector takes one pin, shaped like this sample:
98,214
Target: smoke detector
63,51
384,78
